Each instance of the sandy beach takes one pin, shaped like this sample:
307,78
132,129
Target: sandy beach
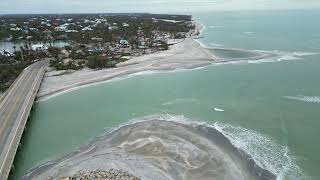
158,147
186,54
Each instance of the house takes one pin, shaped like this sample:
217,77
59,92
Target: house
47,31
33,29
125,25
71,31
96,39
61,28
6,53
124,43
15,29
88,28
39,47
113,27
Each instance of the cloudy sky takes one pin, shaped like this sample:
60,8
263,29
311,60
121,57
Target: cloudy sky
154,6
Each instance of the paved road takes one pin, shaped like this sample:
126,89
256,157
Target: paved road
14,112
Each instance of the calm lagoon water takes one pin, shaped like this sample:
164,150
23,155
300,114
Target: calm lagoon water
272,107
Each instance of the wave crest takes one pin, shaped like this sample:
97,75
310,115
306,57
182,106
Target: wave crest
263,150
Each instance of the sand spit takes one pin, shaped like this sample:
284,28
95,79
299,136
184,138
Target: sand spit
158,149
187,54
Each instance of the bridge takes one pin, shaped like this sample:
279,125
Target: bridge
14,112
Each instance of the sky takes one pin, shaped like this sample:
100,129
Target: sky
152,6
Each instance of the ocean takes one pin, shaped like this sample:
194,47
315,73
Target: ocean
267,108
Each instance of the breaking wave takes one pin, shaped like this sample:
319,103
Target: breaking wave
249,33
180,100
266,153
166,147
217,109
309,99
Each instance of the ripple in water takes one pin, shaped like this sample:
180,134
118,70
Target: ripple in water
166,147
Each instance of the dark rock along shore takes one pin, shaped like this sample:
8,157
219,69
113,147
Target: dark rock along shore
111,174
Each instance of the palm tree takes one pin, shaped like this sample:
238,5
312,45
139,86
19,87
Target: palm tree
21,51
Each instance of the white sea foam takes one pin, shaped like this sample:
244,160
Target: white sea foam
263,150
215,45
142,73
304,53
46,98
218,109
249,33
280,56
97,83
308,99
180,100
266,153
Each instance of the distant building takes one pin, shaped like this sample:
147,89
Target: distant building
113,27
124,43
39,47
47,31
125,25
15,29
33,29
96,39
72,31
87,29
61,28
6,53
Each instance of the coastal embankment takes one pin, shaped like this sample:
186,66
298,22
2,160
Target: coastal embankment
158,147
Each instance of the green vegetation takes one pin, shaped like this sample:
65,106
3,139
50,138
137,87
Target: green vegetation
8,73
96,40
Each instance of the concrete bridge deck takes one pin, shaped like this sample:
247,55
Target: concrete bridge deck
14,112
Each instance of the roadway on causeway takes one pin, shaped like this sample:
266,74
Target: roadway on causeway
14,112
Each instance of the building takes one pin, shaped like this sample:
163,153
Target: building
87,29
124,43
39,47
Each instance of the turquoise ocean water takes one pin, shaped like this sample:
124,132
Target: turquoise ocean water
269,108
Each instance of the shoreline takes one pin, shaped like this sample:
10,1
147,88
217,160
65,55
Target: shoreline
114,150
188,54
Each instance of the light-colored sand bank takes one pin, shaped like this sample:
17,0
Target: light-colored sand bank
184,55
154,148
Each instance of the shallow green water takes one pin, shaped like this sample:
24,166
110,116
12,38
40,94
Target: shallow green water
230,54
265,97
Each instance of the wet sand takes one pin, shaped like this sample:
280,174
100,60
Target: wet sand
187,54
154,148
